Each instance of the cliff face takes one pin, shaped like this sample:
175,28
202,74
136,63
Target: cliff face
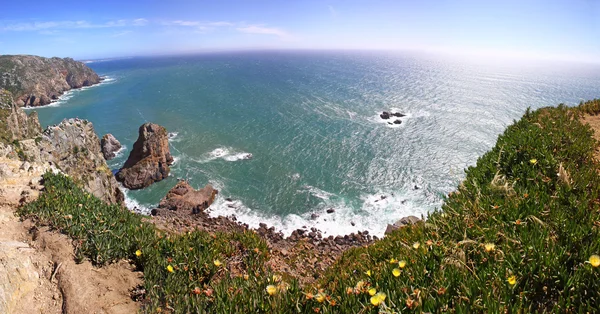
15,124
36,81
72,146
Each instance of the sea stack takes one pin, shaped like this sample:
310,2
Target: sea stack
149,159
110,145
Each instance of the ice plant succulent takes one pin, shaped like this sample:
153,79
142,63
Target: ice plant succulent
402,263
217,263
416,245
138,253
170,268
396,272
372,291
378,298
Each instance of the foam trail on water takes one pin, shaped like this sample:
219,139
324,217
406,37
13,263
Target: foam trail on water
224,153
132,204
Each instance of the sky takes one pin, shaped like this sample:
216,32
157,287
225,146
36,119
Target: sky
92,29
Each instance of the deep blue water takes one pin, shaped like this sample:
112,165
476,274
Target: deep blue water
310,120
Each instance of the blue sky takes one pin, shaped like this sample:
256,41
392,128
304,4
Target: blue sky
549,29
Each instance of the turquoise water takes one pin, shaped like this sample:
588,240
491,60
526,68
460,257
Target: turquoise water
310,120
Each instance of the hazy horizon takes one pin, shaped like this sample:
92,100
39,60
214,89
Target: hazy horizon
534,30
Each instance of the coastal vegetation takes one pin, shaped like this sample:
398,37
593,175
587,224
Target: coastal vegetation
520,234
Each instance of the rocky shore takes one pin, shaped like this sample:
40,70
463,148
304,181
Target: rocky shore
38,81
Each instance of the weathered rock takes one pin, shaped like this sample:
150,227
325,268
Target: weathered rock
74,148
36,81
397,114
182,197
385,115
405,221
149,159
110,145
397,122
15,124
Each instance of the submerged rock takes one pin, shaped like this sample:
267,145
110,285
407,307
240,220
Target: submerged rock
398,114
397,122
110,145
149,159
183,197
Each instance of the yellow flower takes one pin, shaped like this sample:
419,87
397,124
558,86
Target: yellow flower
276,278
372,291
378,298
320,297
246,277
533,161
271,289
170,268
138,253
416,245
402,263
396,272
490,247
217,263
595,260
393,261
368,273
512,280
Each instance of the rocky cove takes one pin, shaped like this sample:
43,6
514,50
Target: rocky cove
73,148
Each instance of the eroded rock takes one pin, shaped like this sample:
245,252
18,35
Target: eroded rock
109,145
149,159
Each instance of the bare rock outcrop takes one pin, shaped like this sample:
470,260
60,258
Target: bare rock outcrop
403,222
36,81
110,145
15,124
183,197
74,148
149,159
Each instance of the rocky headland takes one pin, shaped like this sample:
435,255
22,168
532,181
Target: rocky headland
37,81
149,159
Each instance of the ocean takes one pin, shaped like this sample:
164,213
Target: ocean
311,122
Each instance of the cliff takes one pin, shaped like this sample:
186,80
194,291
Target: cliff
72,146
36,81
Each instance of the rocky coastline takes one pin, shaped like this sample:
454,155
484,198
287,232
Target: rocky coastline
73,148
37,81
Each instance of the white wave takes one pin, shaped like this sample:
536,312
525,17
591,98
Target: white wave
314,191
173,137
224,153
120,152
377,211
132,204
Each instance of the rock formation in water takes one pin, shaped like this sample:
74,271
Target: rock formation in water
71,146
36,81
183,197
110,145
149,159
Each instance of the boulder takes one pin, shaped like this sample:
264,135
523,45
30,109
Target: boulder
397,114
182,197
149,159
110,145
403,222
397,122
385,115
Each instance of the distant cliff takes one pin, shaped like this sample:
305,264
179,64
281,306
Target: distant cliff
36,81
